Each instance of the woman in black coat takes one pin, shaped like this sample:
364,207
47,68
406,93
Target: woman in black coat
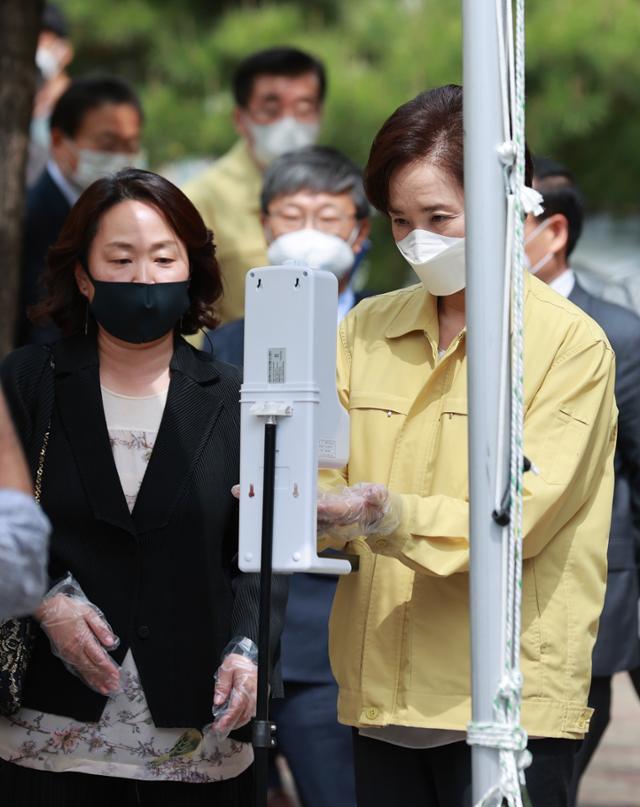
136,435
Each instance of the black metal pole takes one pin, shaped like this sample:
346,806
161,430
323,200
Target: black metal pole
263,729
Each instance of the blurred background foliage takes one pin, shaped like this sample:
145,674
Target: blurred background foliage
583,76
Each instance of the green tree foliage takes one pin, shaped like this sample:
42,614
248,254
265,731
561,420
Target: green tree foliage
582,71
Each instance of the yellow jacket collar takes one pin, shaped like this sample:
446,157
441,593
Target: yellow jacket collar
419,313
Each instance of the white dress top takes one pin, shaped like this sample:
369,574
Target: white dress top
124,742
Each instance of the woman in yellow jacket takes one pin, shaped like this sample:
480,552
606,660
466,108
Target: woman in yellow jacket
399,634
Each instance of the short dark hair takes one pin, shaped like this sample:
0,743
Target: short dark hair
429,127
319,169
561,195
63,302
90,92
55,21
275,62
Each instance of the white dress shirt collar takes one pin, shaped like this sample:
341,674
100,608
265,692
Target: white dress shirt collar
564,283
62,183
346,301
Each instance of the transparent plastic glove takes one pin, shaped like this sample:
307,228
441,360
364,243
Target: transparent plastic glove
234,700
79,634
360,510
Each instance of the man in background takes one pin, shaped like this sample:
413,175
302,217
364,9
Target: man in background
550,239
313,211
54,54
24,530
95,130
278,95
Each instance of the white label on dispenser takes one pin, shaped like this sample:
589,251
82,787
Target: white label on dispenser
327,449
277,365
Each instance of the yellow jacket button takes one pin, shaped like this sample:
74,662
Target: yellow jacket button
372,713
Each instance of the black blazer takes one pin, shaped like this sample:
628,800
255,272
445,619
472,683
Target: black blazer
617,646
46,211
165,576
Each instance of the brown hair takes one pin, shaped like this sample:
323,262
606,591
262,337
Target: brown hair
67,307
429,127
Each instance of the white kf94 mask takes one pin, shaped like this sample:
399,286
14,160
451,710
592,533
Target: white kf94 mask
438,260
313,248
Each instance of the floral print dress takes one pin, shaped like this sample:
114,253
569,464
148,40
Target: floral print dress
124,742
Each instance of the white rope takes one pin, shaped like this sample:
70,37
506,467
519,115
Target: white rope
504,732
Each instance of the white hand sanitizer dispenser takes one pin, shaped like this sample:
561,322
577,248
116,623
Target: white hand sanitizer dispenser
290,379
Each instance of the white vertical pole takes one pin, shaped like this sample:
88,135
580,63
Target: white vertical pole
485,229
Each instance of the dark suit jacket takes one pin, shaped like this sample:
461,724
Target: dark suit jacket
165,575
46,211
305,652
617,647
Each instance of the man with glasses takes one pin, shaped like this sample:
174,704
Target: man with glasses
54,54
278,94
314,211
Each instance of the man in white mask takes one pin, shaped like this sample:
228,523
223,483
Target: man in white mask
54,54
314,211
550,239
95,130
278,94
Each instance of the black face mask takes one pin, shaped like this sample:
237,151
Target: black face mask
139,312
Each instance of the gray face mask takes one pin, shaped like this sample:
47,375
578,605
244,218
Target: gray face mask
93,165
270,140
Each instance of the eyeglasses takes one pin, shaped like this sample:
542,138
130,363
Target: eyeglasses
326,222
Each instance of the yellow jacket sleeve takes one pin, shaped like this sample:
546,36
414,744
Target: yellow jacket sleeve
337,478
569,436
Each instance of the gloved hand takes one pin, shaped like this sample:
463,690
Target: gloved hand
360,510
235,694
79,634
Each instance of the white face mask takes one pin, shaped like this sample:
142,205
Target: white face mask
536,267
94,165
315,249
438,260
47,63
270,140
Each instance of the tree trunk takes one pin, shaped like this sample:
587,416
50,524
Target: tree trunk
19,27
